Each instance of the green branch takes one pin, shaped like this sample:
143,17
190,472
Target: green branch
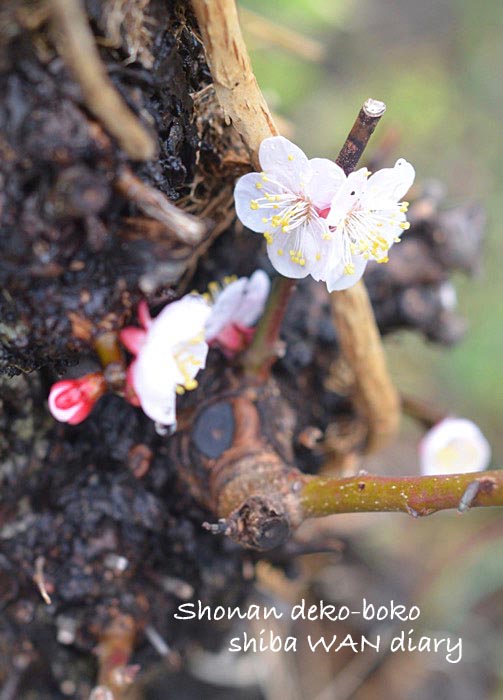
416,495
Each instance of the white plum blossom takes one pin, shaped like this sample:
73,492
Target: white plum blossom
170,350
316,220
236,308
367,215
288,202
454,445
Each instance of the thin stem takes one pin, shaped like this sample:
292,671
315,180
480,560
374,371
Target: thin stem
422,411
415,495
78,48
265,347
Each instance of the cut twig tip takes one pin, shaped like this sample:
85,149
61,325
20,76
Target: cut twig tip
374,108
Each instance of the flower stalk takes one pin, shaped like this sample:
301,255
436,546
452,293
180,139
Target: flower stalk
265,347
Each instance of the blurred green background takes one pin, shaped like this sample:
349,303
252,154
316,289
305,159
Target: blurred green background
437,67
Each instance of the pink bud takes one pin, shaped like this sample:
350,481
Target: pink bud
233,339
71,400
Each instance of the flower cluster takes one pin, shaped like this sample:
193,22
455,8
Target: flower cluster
171,349
316,220
454,445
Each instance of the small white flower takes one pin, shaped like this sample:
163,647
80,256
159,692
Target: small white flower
170,351
455,445
366,217
288,203
318,221
236,308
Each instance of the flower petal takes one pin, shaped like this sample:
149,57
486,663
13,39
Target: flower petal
226,307
455,445
254,298
279,155
179,321
349,195
338,279
245,196
132,338
387,223
293,254
325,182
189,358
154,376
324,245
389,185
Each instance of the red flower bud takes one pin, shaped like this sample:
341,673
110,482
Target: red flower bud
71,400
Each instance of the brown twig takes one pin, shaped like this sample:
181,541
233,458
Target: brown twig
78,48
357,139
235,84
423,411
353,317
187,228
